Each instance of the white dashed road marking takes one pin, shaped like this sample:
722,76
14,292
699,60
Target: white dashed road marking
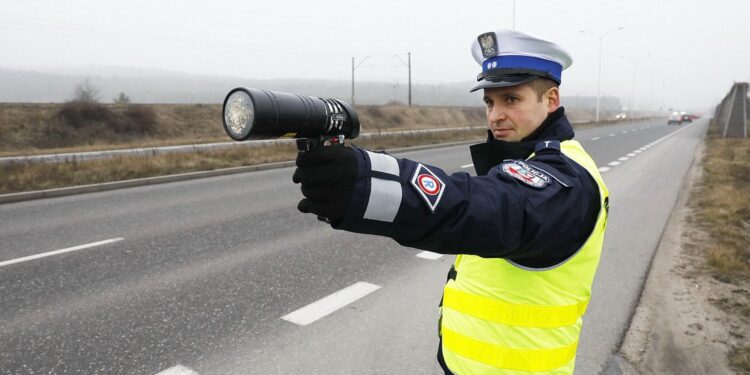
595,139
638,151
61,251
178,370
467,166
612,135
329,304
429,255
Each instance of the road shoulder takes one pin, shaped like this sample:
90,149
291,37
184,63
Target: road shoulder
676,329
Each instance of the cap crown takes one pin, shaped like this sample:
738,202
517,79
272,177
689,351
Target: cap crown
510,57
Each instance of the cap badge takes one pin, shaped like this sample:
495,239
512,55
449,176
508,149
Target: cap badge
488,42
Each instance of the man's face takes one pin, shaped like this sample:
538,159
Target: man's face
515,112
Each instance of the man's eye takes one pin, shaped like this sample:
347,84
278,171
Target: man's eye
511,100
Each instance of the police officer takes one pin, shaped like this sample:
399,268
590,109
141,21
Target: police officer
528,229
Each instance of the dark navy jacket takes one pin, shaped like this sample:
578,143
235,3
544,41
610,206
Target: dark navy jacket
536,212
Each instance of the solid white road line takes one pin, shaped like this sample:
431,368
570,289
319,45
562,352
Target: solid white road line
614,163
603,169
178,370
329,304
595,139
429,255
61,251
467,166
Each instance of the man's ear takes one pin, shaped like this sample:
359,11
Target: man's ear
552,97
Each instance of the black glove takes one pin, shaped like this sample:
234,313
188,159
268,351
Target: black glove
327,175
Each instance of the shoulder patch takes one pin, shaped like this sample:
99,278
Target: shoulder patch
428,185
525,173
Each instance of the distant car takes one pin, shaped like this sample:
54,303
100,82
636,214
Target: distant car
687,118
675,118
621,116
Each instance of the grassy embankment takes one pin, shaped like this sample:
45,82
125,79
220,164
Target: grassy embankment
723,209
50,128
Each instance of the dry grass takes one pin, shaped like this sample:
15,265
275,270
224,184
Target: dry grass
41,176
722,207
29,129
28,177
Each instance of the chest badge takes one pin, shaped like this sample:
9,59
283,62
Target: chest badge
525,173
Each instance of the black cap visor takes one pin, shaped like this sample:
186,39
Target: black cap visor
505,77
504,81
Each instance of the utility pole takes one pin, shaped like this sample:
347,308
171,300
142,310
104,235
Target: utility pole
354,67
599,70
409,79
352,81
408,65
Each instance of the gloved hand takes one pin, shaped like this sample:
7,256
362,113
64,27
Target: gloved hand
327,175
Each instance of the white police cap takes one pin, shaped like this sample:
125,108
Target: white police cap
510,58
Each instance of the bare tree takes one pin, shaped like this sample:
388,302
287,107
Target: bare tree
121,99
86,92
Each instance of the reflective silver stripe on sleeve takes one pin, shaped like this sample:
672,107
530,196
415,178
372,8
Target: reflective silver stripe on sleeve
383,163
385,198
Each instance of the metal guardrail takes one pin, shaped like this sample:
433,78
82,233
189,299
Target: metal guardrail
150,151
733,112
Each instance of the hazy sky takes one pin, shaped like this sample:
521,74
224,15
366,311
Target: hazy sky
687,53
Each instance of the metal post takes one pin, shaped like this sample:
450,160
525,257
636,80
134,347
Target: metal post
599,80
599,74
354,67
352,81
409,54
632,93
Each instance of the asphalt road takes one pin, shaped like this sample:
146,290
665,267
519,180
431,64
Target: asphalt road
197,275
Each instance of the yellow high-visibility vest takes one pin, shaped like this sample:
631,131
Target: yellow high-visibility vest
502,318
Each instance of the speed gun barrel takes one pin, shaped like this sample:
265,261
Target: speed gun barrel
250,113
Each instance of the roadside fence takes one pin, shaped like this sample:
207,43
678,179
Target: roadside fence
733,112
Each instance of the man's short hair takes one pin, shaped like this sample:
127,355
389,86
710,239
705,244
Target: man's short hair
541,85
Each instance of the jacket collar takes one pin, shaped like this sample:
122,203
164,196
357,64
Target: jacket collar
555,127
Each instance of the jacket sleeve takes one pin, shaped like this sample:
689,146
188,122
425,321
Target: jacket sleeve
519,210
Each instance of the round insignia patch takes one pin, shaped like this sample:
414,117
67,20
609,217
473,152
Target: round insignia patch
428,184
526,174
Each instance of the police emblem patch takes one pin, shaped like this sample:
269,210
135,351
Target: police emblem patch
488,42
525,173
428,186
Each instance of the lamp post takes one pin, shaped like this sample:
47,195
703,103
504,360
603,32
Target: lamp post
631,105
408,65
354,67
599,73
